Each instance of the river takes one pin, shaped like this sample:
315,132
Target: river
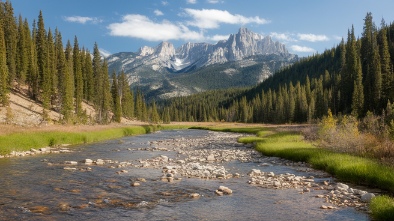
45,187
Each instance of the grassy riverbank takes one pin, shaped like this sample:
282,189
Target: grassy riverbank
348,168
23,141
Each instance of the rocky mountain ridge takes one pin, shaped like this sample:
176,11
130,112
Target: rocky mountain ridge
150,66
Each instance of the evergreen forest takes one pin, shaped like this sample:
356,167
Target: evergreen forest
62,77
356,77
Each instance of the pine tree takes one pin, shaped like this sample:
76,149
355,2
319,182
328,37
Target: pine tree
166,115
348,76
127,98
106,94
52,76
243,110
33,73
116,106
60,68
139,105
155,118
377,76
68,85
42,64
10,38
78,81
98,84
291,107
366,43
308,92
22,61
89,83
387,75
358,93
319,98
312,109
3,70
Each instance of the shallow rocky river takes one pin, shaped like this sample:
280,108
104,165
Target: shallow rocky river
171,175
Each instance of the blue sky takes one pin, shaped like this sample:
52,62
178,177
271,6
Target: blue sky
304,26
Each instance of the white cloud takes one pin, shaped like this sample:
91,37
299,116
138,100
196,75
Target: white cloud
214,1
217,38
286,37
81,19
212,18
312,37
104,52
298,48
192,1
164,3
139,26
158,12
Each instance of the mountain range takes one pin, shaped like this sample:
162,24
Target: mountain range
244,59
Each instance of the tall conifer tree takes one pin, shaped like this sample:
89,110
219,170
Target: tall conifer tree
358,93
68,85
116,106
106,94
11,38
3,70
78,81
22,52
385,62
33,73
127,98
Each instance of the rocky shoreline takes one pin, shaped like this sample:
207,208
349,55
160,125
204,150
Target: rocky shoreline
63,148
205,158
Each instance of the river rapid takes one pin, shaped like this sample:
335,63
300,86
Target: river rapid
167,175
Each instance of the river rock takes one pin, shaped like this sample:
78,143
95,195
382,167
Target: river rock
254,172
218,192
211,157
180,162
141,180
194,195
64,207
225,190
71,162
88,161
164,158
70,168
99,162
277,184
342,186
45,149
135,184
367,197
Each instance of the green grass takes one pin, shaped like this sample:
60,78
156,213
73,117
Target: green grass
246,140
354,169
27,140
382,208
358,170
249,130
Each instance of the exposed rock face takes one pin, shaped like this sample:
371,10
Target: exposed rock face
152,68
238,46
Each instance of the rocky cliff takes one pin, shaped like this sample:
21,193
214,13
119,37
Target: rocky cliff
152,66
